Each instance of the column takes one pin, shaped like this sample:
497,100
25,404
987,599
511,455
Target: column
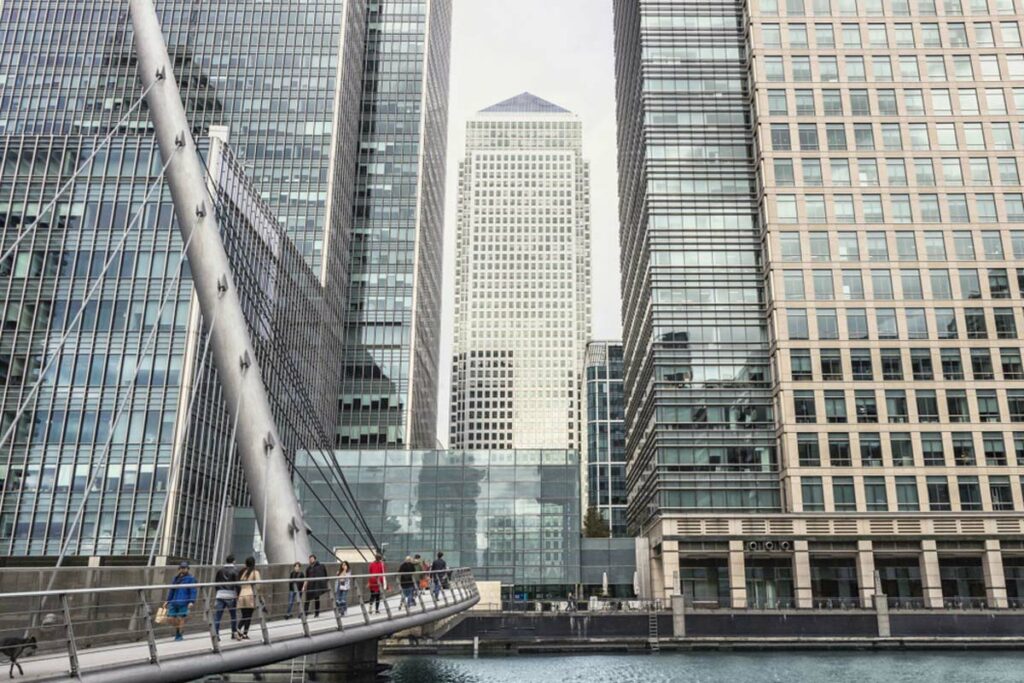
995,579
931,580
865,573
669,569
802,575
737,575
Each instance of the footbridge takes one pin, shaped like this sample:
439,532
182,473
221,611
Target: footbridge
112,635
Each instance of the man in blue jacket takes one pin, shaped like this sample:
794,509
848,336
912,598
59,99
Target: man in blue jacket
180,599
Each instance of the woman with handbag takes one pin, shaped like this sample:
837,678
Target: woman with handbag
248,595
344,580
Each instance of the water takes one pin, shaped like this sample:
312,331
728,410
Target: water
754,667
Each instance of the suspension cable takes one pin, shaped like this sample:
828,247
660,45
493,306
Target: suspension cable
85,164
81,311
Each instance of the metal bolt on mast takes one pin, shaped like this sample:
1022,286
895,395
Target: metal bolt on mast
284,531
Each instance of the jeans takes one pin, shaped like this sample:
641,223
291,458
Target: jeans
410,595
436,586
342,600
220,606
375,599
293,597
313,598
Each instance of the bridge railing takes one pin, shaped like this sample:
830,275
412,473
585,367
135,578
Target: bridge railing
72,621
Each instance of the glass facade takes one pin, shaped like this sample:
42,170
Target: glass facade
390,349
512,515
269,73
605,473
701,430
522,279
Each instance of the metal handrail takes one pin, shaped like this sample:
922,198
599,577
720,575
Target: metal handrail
213,584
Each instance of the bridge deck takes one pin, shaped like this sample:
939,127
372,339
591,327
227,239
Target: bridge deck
194,656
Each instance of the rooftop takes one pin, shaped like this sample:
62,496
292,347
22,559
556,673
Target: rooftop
524,103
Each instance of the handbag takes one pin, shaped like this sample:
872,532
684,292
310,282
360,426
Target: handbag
161,615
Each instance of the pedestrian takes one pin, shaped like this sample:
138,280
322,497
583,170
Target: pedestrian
423,577
407,580
377,582
180,599
439,573
344,578
315,585
226,596
248,595
294,588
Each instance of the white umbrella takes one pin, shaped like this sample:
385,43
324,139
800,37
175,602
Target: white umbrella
604,584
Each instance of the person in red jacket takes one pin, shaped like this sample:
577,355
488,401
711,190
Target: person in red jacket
377,581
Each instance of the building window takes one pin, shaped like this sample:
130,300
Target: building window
839,450
970,493
808,454
875,497
938,494
844,497
813,498
906,494
999,491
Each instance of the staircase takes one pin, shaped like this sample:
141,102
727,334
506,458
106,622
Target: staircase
652,631
298,672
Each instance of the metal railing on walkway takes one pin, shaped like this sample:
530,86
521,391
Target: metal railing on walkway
90,632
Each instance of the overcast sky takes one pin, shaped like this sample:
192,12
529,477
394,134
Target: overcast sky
560,50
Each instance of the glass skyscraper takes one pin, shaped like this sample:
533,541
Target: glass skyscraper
391,344
604,467
281,79
522,279
831,189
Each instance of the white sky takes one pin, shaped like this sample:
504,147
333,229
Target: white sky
560,50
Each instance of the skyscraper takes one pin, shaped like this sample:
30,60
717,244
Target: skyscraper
278,79
822,243
388,396
522,279
604,466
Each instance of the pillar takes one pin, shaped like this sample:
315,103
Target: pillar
737,575
669,569
802,575
931,580
881,608
865,573
995,578
678,616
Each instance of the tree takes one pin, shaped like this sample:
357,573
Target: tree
594,525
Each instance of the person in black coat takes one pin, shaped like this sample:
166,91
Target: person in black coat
294,588
439,574
407,579
315,585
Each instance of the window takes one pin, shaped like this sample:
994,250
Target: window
941,289
848,249
968,99
807,450
773,70
789,246
932,451
885,320
851,35
906,494
803,407
800,364
785,207
988,406
866,407
839,450
780,137
1008,171
840,170
927,406
823,290
798,35
910,280
975,323
863,136
938,494
892,364
812,172
909,71
934,246
887,102
981,364
924,172
808,135
824,36
956,405
1000,493
801,68
875,497
860,105
1006,325
970,493
1015,403
921,364
952,174
777,103
835,135
793,284
797,323
1011,363
963,245
856,323
867,172
805,103
902,450
994,448
998,283
843,494
784,173
881,284
870,450
917,324
860,364
819,246
952,364
811,490
896,406
831,364
896,171
835,407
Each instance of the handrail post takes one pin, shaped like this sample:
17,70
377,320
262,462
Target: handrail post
147,620
210,613
69,634
261,606
387,607
362,603
337,610
423,604
302,616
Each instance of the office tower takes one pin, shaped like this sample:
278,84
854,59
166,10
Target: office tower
522,279
883,210
390,353
604,471
279,80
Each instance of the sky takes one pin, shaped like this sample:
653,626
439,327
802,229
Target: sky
560,50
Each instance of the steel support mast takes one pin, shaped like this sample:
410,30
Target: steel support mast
284,532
